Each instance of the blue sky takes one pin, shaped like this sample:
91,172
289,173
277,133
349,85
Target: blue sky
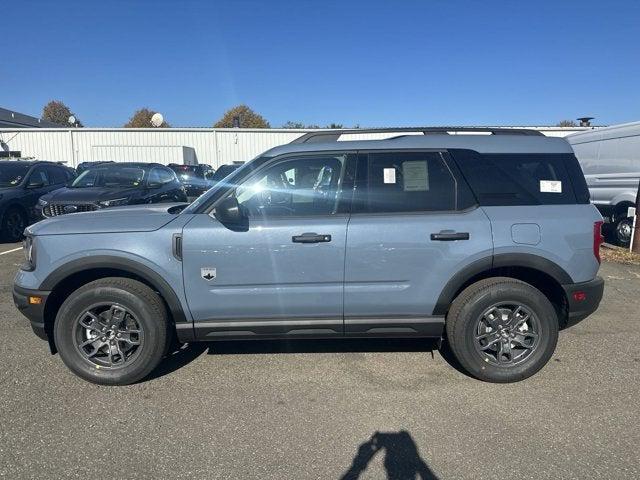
372,63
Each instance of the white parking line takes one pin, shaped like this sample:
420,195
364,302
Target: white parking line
9,251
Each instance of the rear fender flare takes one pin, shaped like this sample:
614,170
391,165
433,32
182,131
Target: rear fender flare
527,260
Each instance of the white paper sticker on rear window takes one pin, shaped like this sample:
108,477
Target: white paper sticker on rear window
389,175
416,176
550,186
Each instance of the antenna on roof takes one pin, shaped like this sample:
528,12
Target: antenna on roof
157,119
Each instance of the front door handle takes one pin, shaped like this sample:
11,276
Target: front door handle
449,236
310,238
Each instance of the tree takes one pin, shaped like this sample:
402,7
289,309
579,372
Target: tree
334,126
291,124
243,117
299,125
142,119
566,123
57,112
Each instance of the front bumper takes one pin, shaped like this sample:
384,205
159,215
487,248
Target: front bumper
33,311
591,294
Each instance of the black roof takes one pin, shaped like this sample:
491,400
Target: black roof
127,164
12,119
31,163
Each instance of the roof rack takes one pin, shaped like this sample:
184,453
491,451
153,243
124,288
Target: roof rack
334,135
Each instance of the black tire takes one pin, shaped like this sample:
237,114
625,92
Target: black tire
13,224
468,313
145,309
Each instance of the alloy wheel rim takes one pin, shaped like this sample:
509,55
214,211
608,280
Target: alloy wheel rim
506,334
108,335
15,225
624,231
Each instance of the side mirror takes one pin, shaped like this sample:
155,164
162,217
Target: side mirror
35,184
229,212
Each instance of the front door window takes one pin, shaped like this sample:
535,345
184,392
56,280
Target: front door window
306,186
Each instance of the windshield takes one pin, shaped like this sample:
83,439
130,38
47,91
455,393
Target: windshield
186,172
12,174
110,177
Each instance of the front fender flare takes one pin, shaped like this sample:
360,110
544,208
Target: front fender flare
183,324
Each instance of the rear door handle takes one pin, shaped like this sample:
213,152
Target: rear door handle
310,238
449,236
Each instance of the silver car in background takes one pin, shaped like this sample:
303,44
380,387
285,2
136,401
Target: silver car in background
610,160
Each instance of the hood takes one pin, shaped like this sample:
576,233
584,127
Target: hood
88,195
6,191
138,218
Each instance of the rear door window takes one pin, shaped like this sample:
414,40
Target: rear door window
406,182
517,179
161,176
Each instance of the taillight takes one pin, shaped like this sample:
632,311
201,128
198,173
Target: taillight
598,239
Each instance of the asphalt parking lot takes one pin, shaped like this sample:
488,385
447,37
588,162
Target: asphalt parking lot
301,410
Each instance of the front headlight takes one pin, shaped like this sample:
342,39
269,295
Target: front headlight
114,203
29,251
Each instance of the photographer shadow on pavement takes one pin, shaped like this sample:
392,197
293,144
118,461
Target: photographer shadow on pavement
402,460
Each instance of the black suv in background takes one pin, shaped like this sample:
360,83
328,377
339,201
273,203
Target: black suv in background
112,185
22,183
225,170
196,179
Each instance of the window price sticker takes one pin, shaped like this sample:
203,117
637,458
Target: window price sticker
389,175
550,186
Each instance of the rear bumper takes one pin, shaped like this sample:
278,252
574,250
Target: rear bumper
34,312
580,309
195,191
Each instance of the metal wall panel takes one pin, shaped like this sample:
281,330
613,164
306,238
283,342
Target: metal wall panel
212,146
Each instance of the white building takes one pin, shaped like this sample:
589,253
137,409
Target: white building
214,146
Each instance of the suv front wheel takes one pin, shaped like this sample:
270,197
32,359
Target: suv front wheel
112,331
502,329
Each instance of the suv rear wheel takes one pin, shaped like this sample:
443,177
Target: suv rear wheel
112,331
13,224
502,329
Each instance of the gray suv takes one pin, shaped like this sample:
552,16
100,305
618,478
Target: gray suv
483,238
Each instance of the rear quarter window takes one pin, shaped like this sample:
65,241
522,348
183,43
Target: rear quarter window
522,179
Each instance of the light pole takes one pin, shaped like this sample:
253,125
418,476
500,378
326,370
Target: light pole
73,123
635,235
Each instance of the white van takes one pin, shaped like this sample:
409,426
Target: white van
610,160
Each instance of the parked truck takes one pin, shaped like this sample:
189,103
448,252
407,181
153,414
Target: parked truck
610,160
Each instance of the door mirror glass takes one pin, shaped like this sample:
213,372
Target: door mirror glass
230,213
